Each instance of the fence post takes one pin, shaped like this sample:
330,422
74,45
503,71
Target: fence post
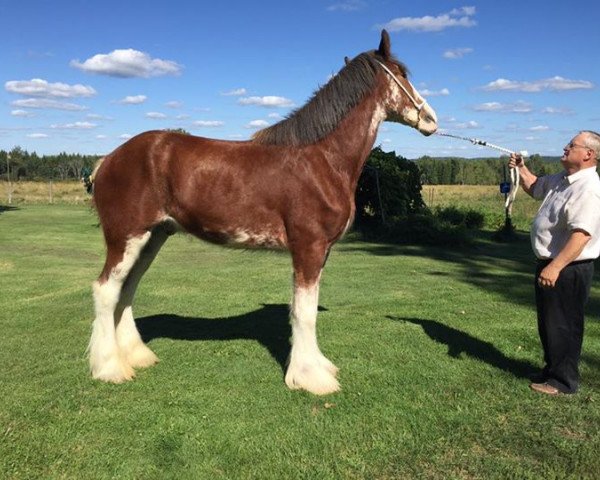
8,178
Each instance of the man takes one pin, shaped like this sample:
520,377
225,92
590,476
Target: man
565,237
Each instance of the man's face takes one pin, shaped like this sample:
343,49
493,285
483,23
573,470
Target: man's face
576,154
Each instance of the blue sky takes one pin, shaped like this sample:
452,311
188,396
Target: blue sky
83,76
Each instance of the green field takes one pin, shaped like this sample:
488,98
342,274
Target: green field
434,348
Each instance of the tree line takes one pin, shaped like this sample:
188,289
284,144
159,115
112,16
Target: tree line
20,164
479,171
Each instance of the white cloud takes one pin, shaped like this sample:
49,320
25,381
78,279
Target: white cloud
74,126
489,107
127,63
347,6
552,84
37,87
125,136
95,116
471,124
133,100
22,113
256,124
47,103
155,115
238,92
459,17
101,137
454,124
456,53
174,104
434,93
275,116
208,123
268,101
540,128
517,107
37,135
558,111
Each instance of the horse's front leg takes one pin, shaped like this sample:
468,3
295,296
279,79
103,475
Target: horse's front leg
308,368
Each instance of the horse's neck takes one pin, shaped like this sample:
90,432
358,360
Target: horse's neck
354,138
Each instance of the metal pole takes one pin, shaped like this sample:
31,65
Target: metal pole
8,178
506,208
379,197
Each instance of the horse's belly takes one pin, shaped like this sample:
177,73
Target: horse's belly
249,238
241,236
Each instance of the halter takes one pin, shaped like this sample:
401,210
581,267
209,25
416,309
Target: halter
418,106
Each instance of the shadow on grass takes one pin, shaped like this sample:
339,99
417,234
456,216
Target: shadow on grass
504,268
460,342
593,362
7,208
268,325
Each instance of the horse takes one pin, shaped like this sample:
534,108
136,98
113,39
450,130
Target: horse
291,186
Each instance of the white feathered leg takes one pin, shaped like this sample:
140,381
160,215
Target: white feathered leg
308,368
107,362
137,354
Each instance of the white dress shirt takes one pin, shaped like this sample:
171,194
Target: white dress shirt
570,202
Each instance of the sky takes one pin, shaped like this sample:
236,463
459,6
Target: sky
84,76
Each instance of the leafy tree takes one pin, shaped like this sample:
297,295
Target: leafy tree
390,186
177,130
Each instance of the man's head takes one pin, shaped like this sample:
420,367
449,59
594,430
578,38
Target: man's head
583,151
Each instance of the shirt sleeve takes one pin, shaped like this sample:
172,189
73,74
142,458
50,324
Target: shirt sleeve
582,212
540,187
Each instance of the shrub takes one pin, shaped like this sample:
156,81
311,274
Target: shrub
389,207
471,219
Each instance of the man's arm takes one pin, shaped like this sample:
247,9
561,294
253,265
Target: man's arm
574,246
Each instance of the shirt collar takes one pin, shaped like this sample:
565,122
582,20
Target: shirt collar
583,173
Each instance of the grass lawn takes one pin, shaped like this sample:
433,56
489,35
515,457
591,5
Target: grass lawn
434,348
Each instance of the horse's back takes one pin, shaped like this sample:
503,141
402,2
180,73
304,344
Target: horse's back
211,188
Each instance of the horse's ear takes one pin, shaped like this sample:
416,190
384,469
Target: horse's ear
384,46
346,60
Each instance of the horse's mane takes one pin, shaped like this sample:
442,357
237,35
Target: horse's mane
328,105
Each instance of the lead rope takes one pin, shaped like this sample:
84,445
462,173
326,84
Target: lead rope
514,172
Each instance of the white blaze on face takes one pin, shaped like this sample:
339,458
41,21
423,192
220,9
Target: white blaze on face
410,112
416,113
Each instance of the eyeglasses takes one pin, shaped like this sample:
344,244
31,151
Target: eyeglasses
573,145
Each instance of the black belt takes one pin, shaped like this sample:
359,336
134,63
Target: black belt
546,261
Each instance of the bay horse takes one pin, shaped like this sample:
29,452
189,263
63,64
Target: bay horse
291,186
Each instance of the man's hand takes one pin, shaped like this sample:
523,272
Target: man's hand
548,276
516,161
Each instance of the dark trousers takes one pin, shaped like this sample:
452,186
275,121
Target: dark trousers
560,322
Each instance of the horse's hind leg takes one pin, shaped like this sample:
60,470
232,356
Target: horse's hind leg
107,362
136,353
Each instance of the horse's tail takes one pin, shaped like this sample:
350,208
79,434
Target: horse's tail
88,180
